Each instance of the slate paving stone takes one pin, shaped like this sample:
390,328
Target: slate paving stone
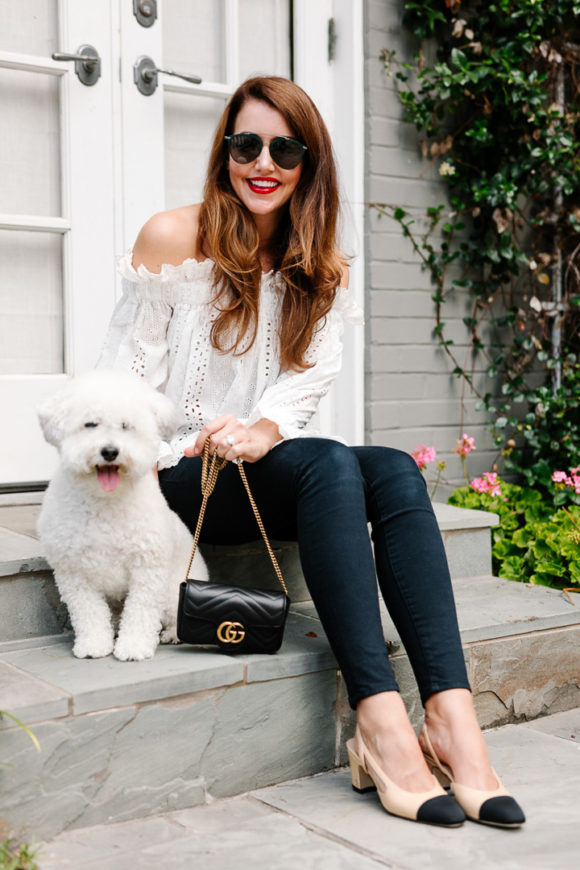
238,833
319,823
542,771
565,725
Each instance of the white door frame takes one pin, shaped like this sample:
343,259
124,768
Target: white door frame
337,87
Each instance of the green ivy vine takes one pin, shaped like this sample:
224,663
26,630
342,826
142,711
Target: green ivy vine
497,111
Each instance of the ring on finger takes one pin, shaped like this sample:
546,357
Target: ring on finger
230,440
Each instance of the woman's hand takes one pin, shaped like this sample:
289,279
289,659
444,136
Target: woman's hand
234,440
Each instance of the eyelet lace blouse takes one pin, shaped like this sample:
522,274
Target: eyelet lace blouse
160,329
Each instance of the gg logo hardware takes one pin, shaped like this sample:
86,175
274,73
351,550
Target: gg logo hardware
231,632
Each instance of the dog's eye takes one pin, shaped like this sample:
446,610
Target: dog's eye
91,425
125,426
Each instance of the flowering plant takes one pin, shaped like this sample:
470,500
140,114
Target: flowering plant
534,541
489,483
423,456
570,480
494,99
465,445
538,537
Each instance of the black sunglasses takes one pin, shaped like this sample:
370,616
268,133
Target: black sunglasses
285,152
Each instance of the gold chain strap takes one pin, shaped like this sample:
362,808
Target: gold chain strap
209,475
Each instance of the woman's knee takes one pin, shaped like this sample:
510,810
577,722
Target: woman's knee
395,474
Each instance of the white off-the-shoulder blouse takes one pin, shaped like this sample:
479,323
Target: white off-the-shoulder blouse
160,329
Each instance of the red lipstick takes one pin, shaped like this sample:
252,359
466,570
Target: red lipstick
263,185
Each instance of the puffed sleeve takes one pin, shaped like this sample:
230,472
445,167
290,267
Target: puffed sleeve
294,398
136,339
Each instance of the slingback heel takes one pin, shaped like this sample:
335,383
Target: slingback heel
495,807
432,807
361,781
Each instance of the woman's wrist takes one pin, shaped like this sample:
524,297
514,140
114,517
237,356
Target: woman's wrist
267,430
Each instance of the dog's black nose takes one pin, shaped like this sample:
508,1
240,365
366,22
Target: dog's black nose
109,453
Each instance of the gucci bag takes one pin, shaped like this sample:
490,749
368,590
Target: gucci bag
235,618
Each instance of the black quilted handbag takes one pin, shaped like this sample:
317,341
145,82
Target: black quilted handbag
235,618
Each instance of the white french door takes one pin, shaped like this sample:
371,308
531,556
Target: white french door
82,166
56,233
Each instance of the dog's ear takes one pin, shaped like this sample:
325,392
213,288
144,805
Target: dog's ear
52,414
165,414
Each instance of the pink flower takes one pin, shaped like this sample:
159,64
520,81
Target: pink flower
560,477
465,445
572,480
423,455
478,484
489,484
493,487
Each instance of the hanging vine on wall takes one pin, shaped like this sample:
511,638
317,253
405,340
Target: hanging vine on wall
498,111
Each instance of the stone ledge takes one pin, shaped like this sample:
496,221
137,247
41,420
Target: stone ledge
99,684
490,610
491,607
451,518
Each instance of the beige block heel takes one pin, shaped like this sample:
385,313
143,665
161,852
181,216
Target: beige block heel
361,781
433,807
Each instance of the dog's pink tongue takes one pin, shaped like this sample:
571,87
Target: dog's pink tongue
108,477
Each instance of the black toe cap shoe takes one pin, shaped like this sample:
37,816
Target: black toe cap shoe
503,811
441,810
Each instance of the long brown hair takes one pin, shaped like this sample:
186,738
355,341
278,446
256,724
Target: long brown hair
306,256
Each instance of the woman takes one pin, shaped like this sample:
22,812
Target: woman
235,308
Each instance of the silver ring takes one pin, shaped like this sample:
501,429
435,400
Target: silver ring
230,440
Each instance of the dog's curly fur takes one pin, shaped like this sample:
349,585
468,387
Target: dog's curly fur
105,525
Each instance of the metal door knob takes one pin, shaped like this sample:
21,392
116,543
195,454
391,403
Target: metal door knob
87,63
145,75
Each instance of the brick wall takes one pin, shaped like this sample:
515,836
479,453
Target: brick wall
411,395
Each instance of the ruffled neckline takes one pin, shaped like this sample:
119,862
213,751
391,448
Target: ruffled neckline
192,269
188,270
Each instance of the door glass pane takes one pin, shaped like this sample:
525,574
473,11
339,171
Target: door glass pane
31,302
193,38
190,122
29,26
30,143
264,39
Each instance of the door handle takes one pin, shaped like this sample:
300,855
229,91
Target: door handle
87,63
145,75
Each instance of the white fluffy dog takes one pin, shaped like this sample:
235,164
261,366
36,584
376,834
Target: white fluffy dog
106,527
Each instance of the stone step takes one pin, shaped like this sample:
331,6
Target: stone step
125,740
31,607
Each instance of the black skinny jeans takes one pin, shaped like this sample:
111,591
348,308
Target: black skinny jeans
322,493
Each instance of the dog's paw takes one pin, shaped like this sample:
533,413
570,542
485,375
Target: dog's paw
134,649
92,648
169,635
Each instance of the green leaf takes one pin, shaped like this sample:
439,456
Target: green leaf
458,58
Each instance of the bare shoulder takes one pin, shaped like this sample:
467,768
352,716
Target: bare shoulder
168,237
